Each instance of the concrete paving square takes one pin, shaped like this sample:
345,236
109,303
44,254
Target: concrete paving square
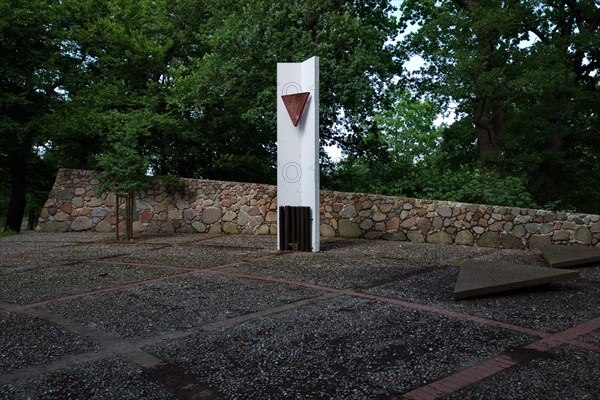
347,348
20,334
52,282
176,304
228,317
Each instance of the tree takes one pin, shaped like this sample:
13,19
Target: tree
229,92
187,87
116,87
403,149
525,75
28,79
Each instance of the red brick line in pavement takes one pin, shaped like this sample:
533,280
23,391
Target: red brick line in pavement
136,264
452,383
566,336
277,280
431,391
570,340
469,376
584,345
215,270
454,314
189,271
20,308
516,328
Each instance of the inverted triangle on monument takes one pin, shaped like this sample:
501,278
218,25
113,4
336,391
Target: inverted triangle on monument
478,278
294,104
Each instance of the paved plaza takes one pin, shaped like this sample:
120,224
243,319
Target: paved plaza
205,316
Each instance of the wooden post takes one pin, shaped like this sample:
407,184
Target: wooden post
131,205
127,215
117,216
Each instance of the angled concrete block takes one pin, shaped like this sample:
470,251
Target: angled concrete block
569,256
478,278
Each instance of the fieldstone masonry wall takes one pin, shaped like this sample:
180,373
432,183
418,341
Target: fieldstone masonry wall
232,207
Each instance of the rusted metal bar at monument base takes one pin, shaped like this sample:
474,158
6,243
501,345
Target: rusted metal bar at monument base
295,224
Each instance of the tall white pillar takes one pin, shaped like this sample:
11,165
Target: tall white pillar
298,146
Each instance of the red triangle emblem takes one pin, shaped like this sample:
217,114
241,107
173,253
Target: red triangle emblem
294,104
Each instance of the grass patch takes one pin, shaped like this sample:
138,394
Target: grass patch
7,233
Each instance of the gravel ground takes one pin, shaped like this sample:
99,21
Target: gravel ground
406,252
112,378
593,337
204,257
380,262
514,256
332,271
550,308
342,349
181,303
53,282
26,341
557,375
228,335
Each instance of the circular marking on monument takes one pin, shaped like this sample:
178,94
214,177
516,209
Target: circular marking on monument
291,172
287,86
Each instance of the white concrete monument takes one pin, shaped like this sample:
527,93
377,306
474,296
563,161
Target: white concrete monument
298,153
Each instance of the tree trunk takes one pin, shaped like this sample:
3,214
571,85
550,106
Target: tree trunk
32,219
18,201
488,126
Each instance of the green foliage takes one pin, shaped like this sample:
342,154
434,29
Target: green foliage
29,63
396,152
7,232
228,92
189,84
523,78
477,186
186,88
172,184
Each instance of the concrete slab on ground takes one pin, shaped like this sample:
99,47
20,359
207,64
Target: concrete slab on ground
570,256
477,278
533,307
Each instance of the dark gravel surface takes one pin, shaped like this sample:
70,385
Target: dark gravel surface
331,271
27,341
562,373
256,327
177,304
514,256
343,349
53,282
206,257
380,262
112,378
550,307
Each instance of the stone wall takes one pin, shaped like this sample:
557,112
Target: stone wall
233,207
